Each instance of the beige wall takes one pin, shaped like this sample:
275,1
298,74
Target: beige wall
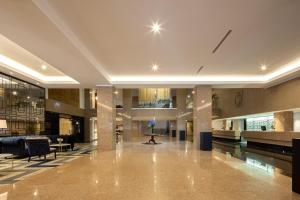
258,100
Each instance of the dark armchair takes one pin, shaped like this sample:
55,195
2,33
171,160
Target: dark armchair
39,147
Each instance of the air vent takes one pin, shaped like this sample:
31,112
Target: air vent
221,42
199,69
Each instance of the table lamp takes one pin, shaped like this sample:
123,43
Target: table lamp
3,124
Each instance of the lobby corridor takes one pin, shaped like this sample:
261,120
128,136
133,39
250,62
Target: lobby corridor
171,170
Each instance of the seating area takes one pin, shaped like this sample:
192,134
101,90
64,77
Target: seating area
29,146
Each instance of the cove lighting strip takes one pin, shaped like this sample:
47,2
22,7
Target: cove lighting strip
259,79
20,68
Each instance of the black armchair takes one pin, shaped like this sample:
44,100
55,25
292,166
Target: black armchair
39,147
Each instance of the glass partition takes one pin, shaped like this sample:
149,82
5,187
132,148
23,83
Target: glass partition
22,105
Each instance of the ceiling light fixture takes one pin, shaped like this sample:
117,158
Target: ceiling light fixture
156,27
44,67
116,92
155,67
263,67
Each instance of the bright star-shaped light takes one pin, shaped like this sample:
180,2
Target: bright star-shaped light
156,27
155,67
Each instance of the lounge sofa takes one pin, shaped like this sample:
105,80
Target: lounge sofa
14,145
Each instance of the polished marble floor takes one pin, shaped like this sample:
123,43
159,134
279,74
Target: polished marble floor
171,170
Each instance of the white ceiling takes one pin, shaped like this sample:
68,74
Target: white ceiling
100,42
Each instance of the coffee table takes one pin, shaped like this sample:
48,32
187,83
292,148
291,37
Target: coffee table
61,146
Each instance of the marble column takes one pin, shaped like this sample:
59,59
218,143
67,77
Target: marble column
181,95
106,118
127,119
202,112
284,121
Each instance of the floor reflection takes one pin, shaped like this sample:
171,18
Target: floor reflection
263,160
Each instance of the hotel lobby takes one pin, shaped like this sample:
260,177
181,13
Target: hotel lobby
149,99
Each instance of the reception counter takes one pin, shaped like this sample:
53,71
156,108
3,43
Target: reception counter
270,137
232,135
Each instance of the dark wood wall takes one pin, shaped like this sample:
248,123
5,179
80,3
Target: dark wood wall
67,96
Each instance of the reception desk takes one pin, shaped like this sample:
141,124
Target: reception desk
270,137
227,134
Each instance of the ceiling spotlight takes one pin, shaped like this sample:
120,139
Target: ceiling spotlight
156,27
203,101
116,92
44,67
188,96
28,97
155,67
263,67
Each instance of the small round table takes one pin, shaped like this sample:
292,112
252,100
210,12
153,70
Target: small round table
152,138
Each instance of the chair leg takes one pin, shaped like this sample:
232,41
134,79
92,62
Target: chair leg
45,157
29,158
54,154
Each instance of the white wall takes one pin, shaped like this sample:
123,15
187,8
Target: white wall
297,121
217,124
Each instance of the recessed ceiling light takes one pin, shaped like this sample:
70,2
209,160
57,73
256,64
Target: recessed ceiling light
44,67
203,101
28,97
263,67
156,27
155,67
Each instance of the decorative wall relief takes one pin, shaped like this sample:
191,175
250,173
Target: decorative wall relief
238,100
216,111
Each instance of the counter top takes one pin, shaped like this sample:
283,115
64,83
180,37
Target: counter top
271,137
229,134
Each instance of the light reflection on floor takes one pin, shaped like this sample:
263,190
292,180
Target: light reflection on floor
258,160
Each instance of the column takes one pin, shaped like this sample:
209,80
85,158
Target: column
202,112
127,119
181,108
106,118
284,121
81,98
